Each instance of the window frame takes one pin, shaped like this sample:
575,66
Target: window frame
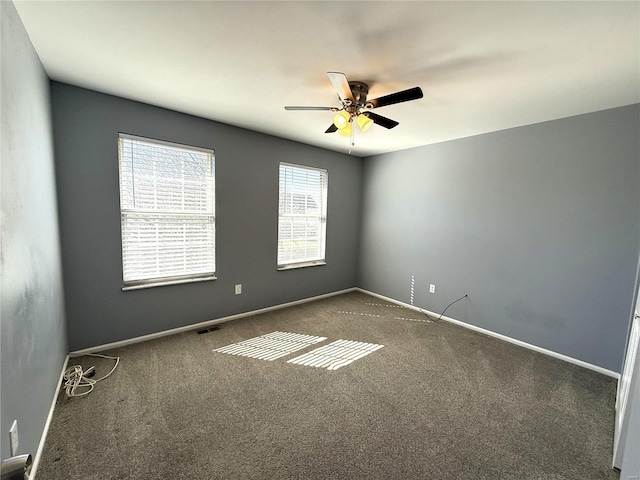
150,282
323,220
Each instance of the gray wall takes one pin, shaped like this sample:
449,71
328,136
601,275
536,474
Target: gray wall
33,345
539,225
86,126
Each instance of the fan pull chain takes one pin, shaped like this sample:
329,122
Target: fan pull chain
352,141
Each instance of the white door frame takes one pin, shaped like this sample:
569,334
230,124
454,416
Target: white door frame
624,387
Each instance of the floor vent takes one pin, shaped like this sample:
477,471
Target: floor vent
207,330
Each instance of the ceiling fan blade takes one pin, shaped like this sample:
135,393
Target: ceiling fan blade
341,84
382,121
289,107
331,129
398,97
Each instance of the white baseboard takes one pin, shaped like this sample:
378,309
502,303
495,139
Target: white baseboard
208,323
575,361
45,431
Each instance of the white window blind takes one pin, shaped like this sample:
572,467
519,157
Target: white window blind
167,205
302,219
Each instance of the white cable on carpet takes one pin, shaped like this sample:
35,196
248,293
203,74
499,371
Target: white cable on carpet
75,378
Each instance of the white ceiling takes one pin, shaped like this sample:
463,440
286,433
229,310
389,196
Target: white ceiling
483,66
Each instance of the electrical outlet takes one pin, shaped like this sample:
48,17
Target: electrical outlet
13,437
432,288
238,289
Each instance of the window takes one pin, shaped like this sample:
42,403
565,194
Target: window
167,206
302,220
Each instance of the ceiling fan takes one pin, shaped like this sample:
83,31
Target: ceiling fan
355,108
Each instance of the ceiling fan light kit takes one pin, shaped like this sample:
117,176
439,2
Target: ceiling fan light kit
354,106
342,119
364,122
347,131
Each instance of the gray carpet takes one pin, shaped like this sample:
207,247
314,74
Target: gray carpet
436,402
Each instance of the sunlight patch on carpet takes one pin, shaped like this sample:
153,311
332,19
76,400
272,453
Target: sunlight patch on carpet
271,346
336,354
375,315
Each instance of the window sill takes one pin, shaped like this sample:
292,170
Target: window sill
301,265
162,283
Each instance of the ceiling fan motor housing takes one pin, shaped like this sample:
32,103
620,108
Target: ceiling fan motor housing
359,90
